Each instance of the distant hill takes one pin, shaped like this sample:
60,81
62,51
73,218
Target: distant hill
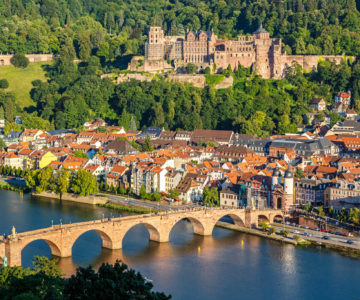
20,81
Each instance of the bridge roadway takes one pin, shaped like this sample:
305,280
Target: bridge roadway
61,238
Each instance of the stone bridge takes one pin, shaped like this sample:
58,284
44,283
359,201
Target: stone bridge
61,238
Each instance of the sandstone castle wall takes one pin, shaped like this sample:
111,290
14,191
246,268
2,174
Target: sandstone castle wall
204,48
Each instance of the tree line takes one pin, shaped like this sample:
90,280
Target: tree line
62,181
46,281
112,29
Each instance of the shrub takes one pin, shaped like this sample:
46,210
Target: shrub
4,84
296,238
19,60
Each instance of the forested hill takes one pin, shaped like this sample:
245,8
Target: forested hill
116,28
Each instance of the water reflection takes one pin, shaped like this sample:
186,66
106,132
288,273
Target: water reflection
226,265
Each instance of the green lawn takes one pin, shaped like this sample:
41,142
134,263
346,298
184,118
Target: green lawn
20,81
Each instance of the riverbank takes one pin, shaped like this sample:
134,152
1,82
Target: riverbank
122,208
256,232
93,200
345,249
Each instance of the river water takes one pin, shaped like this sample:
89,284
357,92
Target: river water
229,265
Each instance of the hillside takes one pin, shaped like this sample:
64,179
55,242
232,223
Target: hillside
20,81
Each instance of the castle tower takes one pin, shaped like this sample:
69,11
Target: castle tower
288,190
155,46
263,45
276,177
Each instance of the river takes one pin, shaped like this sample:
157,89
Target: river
229,265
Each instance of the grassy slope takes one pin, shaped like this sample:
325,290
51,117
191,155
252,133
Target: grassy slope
20,81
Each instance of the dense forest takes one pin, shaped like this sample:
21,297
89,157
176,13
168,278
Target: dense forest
116,28
105,34
75,93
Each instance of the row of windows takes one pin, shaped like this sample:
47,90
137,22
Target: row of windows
236,55
195,50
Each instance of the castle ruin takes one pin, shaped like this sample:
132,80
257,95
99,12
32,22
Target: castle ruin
204,49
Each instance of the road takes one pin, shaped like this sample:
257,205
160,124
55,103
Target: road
146,204
317,236
14,181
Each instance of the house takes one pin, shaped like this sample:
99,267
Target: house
172,179
15,161
114,177
318,104
152,132
191,187
12,137
41,159
219,137
183,135
351,114
343,98
29,135
348,127
233,153
339,108
120,148
233,195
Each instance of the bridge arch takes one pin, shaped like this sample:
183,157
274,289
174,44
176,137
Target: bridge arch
106,240
277,218
154,233
230,218
54,248
197,225
262,218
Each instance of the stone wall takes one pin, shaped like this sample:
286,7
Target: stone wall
308,62
5,58
197,80
136,76
92,200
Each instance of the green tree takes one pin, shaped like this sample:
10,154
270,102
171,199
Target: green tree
63,182
264,225
173,194
299,173
143,193
272,230
320,211
80,154
331,211
45,281
44,177
191,68
284,232
307,207
4,84
211,197
19,60
147,145
2,144
354,215
296,238
83,183
12,126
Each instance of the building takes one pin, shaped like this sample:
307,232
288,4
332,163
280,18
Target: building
220,137
311,190
120,148
233,195
342,194
318,104
344,98
205,49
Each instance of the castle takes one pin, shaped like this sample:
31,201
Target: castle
205,49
